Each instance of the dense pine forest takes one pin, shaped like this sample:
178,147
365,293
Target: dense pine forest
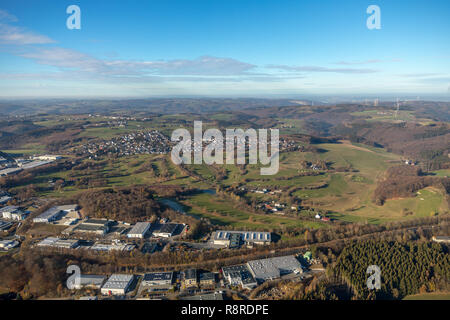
406,268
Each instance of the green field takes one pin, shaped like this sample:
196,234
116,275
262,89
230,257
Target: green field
105,133
442,173
120,172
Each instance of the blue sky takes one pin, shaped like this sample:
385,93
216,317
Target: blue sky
223,48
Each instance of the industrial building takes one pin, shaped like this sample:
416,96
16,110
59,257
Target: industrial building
94,226
89,281
250,238
273,268
239,275
34,164
207,279
48,216
47,157
235,241
12,213
19,215
5,225
9,171
5,212
112,247
117,284
190,278
68,208
55,213
6,245
165,230
139,230
59,243
157,279
4,199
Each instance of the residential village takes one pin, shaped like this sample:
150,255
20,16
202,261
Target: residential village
145,142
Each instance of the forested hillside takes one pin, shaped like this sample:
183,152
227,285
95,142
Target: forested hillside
406,268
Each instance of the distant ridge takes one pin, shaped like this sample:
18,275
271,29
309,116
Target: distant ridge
130,106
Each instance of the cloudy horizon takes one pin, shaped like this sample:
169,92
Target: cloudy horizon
199,50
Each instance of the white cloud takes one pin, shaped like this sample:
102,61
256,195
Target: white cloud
321,69
7,17
18,36
372,61
203,66
13,35
65,58
420,75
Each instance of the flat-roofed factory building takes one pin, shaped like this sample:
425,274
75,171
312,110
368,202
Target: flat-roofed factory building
48,157
190,278
9,171
4,198
139,230
54,242
117,284
6,212
94,226
207,279
157,279
12,213
166,230
239,275
6,245
55,213
273,268
5,225
124,247
250,238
